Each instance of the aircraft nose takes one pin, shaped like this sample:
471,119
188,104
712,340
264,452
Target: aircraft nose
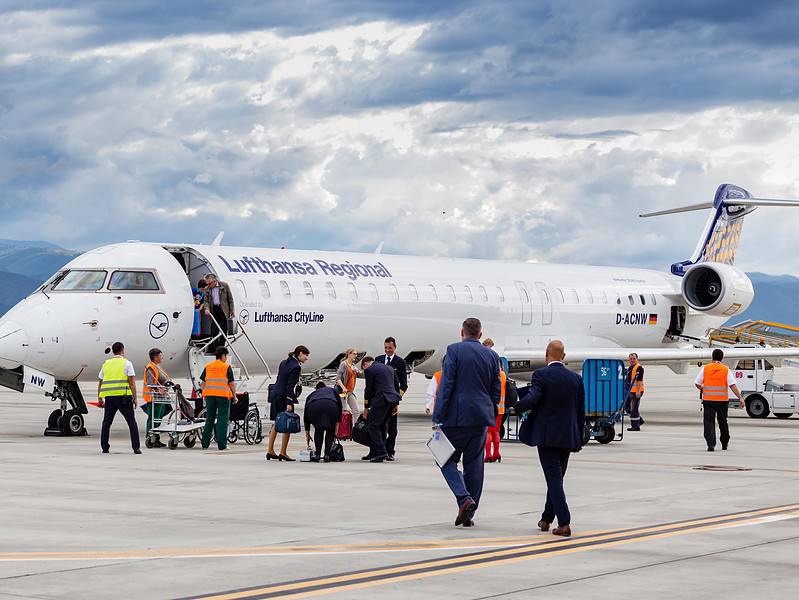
13,345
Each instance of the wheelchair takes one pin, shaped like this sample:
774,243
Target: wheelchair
245,421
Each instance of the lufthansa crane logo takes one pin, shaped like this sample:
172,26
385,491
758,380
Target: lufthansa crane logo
159,325
244,316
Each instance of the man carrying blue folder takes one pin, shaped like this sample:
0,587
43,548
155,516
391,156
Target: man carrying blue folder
466,405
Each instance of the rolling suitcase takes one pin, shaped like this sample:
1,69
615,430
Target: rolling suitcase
344,427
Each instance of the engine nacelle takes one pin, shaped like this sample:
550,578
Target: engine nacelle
717,289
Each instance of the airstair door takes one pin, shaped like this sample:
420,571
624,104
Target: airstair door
527,304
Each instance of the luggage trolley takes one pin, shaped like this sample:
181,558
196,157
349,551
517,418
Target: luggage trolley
179,424
605,393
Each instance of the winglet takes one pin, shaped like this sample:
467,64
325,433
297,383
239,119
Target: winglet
218,239
379,248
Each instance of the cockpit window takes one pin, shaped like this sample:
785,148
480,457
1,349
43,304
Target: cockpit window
79,280
140,281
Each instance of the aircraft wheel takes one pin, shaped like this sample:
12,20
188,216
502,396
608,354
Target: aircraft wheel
72,423
54,419
757,407
172,443
607,434
190,441
783,415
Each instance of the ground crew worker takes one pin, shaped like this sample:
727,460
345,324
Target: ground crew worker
155,379
634,381
430,393
713,381
116,391
218,391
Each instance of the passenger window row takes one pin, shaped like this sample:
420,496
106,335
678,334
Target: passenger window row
374,293
586,296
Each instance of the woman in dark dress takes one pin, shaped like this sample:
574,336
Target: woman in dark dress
283,397
323,411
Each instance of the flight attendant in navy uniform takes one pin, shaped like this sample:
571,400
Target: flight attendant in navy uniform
396,362
283,397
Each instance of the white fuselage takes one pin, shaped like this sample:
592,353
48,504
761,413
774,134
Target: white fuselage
329,301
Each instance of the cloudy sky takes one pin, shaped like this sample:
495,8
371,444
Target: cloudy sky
516,129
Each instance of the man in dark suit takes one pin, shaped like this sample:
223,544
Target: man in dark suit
380,397
466,405
555,404
391,359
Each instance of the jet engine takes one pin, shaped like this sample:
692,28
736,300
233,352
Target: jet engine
717,289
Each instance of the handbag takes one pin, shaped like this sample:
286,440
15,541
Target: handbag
288,422
360,432
336,452
307,454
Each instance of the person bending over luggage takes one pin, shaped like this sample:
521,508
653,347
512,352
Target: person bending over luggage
323,411
381,396
283,398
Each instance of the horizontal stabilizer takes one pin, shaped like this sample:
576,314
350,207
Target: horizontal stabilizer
728,202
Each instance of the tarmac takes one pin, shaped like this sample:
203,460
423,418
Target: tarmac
648,520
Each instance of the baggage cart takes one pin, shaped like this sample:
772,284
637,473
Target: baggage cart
179,424
605,394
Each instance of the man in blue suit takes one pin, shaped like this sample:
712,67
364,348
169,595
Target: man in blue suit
381,396
554,423
466,405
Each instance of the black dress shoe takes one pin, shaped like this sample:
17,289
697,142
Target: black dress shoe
105,451
326,459
367,457
137,451
379,459
270,456
724,446
390,458
711,449
315,459
282,457
468,523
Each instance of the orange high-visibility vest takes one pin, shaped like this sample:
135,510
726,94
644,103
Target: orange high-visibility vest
636,386
503,379
714,388
216,383
146,392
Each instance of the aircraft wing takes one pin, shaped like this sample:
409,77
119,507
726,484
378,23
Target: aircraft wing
672,357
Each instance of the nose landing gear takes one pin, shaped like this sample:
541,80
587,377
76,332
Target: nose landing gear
67,420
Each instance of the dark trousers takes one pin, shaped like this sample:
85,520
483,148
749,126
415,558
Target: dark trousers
221,318
217,412
554,462
326,435
124,405
391,434
716,411
469,443
634,402
376,420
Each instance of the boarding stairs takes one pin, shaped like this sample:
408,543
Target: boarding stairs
199,357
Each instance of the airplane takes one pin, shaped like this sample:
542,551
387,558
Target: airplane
141,294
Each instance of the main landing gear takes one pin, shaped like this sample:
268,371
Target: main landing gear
67,420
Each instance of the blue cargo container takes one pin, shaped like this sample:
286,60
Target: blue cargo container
605,394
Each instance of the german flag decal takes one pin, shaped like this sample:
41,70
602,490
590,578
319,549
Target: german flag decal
653,319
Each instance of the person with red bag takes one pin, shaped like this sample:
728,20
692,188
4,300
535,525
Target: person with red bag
345,381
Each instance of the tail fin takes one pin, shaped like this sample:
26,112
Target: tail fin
722,233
